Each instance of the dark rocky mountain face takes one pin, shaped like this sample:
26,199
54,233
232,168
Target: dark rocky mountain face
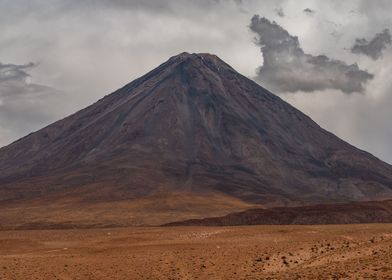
195,128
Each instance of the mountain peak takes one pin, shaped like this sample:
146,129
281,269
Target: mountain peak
202,59
191,136
186,55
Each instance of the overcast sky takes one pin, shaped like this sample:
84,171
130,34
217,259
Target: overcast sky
331,59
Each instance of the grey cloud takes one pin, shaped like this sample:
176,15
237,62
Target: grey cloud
279,12
24,106
12,72
38,8
287,68
374,47
309,12
151,5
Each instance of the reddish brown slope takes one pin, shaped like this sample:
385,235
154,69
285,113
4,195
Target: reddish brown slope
350,213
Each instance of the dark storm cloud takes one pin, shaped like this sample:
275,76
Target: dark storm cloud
288,68
374,47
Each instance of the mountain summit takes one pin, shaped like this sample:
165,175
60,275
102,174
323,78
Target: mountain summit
192,138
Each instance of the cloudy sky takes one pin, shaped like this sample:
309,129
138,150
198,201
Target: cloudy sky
331,59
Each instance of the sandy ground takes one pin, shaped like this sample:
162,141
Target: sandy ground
249,252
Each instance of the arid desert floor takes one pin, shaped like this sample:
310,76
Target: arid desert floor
248,252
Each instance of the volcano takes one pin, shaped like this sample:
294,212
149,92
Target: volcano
193,138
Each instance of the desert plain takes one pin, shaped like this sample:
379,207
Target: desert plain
362,251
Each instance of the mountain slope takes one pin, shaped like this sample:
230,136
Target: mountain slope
345,213
191,128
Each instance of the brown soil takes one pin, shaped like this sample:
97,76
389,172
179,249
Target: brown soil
250,252
151,211
344,213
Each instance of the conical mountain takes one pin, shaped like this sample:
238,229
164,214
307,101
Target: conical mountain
191,138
